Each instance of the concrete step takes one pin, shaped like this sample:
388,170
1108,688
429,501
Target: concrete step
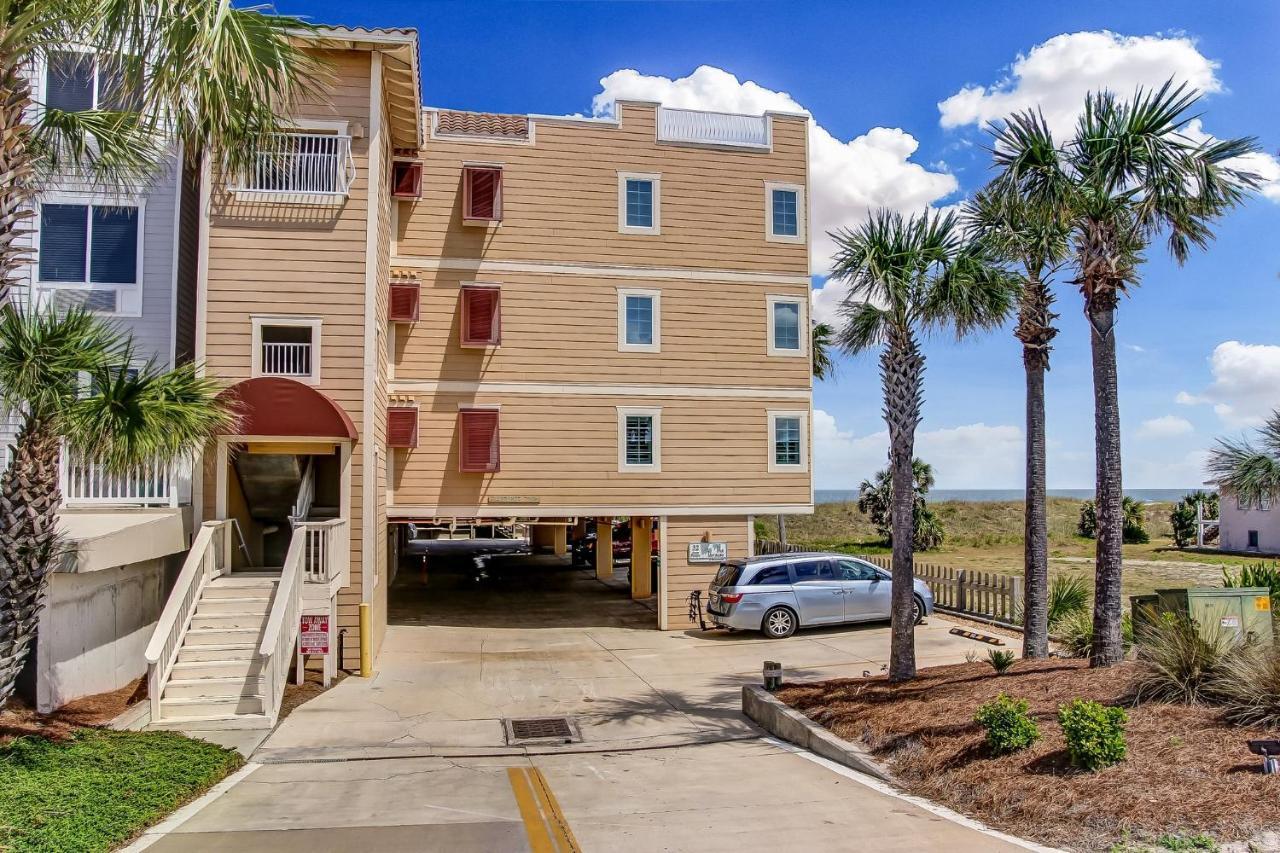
213,688
217,722
216,668
230,620
222,636
220,652
215,708
219,606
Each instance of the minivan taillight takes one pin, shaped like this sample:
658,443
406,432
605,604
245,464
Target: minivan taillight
731,597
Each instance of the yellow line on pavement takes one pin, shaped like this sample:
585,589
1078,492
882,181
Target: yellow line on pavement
544,823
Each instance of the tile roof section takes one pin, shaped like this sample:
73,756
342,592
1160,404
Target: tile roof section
482,124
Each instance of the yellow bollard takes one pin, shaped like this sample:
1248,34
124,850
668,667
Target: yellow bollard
366,641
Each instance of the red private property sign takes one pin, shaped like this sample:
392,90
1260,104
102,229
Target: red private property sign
314,638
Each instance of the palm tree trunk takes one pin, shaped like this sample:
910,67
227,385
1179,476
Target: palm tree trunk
1035,608
1035,330
902,372
1107,648
29,544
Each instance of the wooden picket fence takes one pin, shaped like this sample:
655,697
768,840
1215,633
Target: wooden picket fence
987,595
764,547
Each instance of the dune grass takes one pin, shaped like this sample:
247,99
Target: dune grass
99,788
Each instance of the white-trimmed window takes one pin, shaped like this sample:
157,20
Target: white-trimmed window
287,346
639,320
76,80
789,441
639,203
788,327
1264,502
89,253
784,210
639,439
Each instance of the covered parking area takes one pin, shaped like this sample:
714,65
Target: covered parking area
526,573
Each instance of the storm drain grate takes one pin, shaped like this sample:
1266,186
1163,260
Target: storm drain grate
541,730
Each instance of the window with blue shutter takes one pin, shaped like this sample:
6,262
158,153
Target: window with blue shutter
69,81
114,257
64,236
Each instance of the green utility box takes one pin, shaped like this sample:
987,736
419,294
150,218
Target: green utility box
1241,612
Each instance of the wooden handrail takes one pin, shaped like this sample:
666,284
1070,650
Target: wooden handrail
287,588
192,568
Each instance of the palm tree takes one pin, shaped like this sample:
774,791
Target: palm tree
48,363
199,74
1031,235
1130,173
906,277
824,366
1249,470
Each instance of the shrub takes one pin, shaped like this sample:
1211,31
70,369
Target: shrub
1067,596
1183,516
1009,727
1001,660
1248,687
1135,529
1177,661
1094,733
1075,633
1257,574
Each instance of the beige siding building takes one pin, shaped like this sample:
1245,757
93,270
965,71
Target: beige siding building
438,317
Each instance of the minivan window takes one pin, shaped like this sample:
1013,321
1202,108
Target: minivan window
772,575
813,570
852,570
728,575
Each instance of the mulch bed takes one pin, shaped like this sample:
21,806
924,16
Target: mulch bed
1187,771
19,719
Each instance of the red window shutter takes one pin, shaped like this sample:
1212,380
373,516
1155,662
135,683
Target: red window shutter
404,301
481,316
402,426
478,444
482,194
406,179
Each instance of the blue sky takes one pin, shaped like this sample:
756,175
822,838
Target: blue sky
1200,355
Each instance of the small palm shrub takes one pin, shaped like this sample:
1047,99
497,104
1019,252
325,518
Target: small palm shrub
1094,733
1088,524
1075,633
1258,574
1067,595
1177,662
1008,725
1001,660
1135,522
1247,685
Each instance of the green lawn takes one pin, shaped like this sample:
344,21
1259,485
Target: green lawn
100,788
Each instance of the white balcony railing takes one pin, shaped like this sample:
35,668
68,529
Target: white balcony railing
706,128
326,550
87,483
309,164
286,359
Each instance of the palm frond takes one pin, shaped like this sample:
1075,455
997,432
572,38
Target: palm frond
1248,471
866,326
45,356
822,339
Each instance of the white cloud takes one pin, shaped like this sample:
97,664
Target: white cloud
848,179
1246,383
1165,426
1056,74
1167,472
972,456
1135,348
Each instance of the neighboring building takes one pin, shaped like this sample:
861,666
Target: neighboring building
1253,527
121,252
439,317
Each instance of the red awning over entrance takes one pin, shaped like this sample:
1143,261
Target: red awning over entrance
275,406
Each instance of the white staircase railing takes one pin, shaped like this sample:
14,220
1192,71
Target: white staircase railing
283,625
326,549
306,495
209,557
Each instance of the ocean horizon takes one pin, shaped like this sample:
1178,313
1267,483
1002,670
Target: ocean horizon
828,496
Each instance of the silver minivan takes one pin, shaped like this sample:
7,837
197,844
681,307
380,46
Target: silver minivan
782,592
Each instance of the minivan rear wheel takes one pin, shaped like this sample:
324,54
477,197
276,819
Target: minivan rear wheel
917,610
778,622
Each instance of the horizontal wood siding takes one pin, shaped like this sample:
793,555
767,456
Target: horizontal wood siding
560,198
305,261
563,450
682,576
564,328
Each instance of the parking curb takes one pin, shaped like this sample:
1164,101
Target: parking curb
786,723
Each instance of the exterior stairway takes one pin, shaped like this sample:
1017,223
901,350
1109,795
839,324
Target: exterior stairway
218,671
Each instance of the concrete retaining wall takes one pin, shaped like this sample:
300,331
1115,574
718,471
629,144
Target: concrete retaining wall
788,724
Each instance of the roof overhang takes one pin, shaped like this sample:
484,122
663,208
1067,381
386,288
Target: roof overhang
401,85
276,406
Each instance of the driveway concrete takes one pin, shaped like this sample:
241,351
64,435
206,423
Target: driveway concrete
460,659
733,796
